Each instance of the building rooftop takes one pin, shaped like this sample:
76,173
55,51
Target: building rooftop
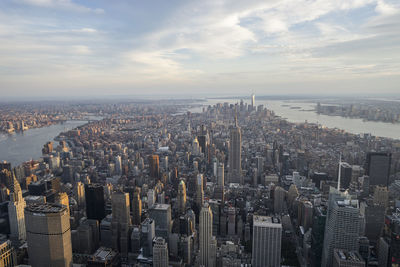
45,208
104,254
345,255
266,221
158,206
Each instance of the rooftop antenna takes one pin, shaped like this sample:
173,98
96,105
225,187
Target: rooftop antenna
340,171
236,122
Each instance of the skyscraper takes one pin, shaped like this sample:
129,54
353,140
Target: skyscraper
346,174
195,147
160,253
378,168
94,196
62,199
48,235
161,214
118,165
199,191
342,226
181,199
221,175
120,222
235,154
8,257
16,216
267,234
219,189
136,207
154,165
279,199
205,236
151,198
374,216
344,258
253,101
231,221
80,194
381,196
147,235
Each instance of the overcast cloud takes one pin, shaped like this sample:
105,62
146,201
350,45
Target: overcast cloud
66,47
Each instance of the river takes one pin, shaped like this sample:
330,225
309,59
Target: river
286,109
22,146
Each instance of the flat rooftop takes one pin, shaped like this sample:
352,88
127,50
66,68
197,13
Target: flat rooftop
345,255
45,208
104,254
158,206
266,221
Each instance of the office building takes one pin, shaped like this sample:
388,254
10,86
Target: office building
195,147
267,234
16,207
231,221
80,194
181,198
378,168
317,235
151,198
106,231
86,238
104,257
346,175
154,165
161,214
136,207
235,154
148,233
48,235
160,253
206,237
118,165
343,224
374,217
199,191
62,199
279,199
121,222
344,258
219,191
94,196
381,196
8,257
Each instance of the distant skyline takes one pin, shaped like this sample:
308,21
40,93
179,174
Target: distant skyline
57,48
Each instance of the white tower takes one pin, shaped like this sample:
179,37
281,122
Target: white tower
207,240
16,216
267,234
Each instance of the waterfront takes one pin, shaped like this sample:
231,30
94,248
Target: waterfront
22,146
305,112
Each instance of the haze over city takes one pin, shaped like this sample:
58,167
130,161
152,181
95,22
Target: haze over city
205,133
100,48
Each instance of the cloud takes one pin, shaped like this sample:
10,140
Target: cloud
81,50
63,4
88,30
208,43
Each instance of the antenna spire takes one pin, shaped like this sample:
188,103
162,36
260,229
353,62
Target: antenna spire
236,122
340,171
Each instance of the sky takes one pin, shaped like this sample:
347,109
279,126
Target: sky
77,48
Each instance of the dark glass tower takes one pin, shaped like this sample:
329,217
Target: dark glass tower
94,195
378,168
